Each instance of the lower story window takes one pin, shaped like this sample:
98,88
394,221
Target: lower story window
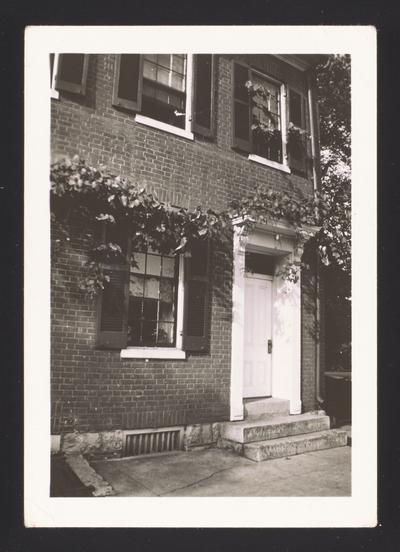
153,283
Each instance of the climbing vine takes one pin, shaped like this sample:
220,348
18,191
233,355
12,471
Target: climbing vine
112,208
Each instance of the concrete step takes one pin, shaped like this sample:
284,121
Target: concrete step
259,408
273,428
296,444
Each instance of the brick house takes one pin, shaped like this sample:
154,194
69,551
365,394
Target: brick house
197,339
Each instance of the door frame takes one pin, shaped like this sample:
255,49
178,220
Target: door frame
268,278
277,240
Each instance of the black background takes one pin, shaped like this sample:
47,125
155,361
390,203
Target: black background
14,16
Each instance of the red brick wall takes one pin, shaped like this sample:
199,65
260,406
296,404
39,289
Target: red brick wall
92,389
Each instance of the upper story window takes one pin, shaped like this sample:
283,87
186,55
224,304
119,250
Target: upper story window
68,72
164,88
265,102
270,121
172,92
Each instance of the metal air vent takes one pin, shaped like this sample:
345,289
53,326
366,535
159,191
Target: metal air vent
153,441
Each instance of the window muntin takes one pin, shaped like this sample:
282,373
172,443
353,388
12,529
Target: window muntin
153,286
266,119
164,88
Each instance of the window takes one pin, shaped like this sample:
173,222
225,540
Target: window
153,286
68,72
257,123
157,305
261,116
266,120
164,88
172,92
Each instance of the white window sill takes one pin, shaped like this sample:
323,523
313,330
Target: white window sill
183,133
54,94
154,352
269,163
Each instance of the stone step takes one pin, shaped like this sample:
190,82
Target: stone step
273,428
296,444
259,408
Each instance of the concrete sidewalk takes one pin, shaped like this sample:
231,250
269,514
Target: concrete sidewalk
217,472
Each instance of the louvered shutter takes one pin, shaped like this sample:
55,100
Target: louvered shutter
241,108
196,317
298,114
128,77
203,95
72,73
113,309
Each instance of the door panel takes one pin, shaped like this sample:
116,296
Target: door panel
257,330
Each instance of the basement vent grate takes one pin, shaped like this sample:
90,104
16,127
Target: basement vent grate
152,442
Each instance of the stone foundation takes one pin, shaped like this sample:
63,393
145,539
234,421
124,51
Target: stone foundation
112,442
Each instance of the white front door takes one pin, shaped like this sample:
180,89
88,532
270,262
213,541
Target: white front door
257,332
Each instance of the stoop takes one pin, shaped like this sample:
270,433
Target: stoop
270,432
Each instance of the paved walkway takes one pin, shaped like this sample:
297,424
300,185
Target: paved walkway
216,472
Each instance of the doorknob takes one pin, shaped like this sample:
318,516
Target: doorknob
269,346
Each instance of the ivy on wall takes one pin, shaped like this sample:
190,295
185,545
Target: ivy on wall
103,201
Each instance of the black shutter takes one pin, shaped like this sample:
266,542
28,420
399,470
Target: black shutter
128,76
72,73
203,95
196,318
298,153
113,309
241,108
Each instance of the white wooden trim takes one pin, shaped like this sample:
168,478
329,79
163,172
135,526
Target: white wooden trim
153,352
182,132
148,121
269,163
294,62
286,319
257,276
166,352
53,92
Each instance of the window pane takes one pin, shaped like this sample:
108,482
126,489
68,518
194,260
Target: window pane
168,266
149,334
151,288
178,63
136,286
259,264
166,290
153,265
178,82
149,70
165,334
164,60
166,312
140,260
150,309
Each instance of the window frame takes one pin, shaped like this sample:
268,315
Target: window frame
284,166
53,92
173,352
154,123
57,84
